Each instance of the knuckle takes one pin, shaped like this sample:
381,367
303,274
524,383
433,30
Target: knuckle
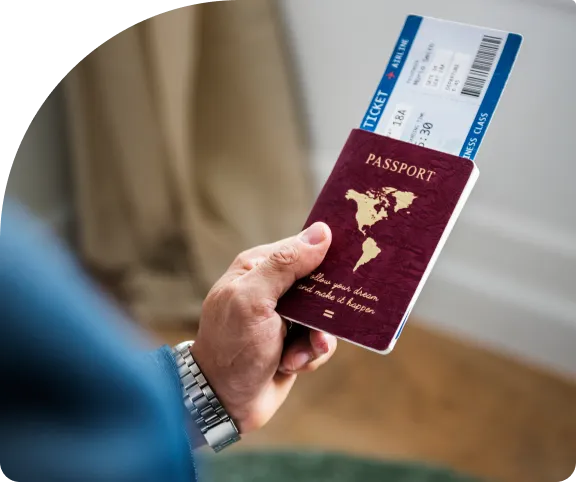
214,295
241,300
231,294
309,368
234,291
248,305
240,307
313,366
243,259
263,308
286,255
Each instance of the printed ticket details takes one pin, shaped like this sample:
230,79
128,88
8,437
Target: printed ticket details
442,85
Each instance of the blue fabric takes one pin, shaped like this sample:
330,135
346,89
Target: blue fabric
82,396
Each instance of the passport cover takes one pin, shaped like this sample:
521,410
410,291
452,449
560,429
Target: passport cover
390,206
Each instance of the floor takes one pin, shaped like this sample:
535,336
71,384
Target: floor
434,400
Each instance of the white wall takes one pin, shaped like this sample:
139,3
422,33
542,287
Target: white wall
507,277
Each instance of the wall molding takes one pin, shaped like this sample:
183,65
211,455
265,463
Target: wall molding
521,229
500,314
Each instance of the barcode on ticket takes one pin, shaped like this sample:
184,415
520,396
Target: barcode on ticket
482,66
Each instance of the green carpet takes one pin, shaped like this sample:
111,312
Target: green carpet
315,467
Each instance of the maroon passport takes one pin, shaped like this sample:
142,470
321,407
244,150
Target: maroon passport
390,206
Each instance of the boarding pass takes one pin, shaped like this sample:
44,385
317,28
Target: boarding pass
442,85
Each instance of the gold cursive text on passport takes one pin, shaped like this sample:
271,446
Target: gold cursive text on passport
400,167
337,293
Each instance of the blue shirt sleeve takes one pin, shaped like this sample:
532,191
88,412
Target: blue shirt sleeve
82,395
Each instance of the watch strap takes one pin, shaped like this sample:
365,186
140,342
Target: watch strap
206,410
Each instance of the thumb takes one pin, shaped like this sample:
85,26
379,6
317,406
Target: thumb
291,260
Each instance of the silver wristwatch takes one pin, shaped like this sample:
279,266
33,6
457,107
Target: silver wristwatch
206,410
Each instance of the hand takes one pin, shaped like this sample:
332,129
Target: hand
240,343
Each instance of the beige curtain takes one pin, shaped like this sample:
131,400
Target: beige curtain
187,149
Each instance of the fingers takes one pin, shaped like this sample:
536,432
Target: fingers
308,353
280,266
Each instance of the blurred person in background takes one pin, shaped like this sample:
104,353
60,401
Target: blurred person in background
82,399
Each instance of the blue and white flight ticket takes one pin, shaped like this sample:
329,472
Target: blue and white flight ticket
442,85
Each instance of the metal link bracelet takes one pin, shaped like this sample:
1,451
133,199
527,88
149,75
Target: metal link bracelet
206,410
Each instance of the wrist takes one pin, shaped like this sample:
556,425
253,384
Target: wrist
218,378
206,410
